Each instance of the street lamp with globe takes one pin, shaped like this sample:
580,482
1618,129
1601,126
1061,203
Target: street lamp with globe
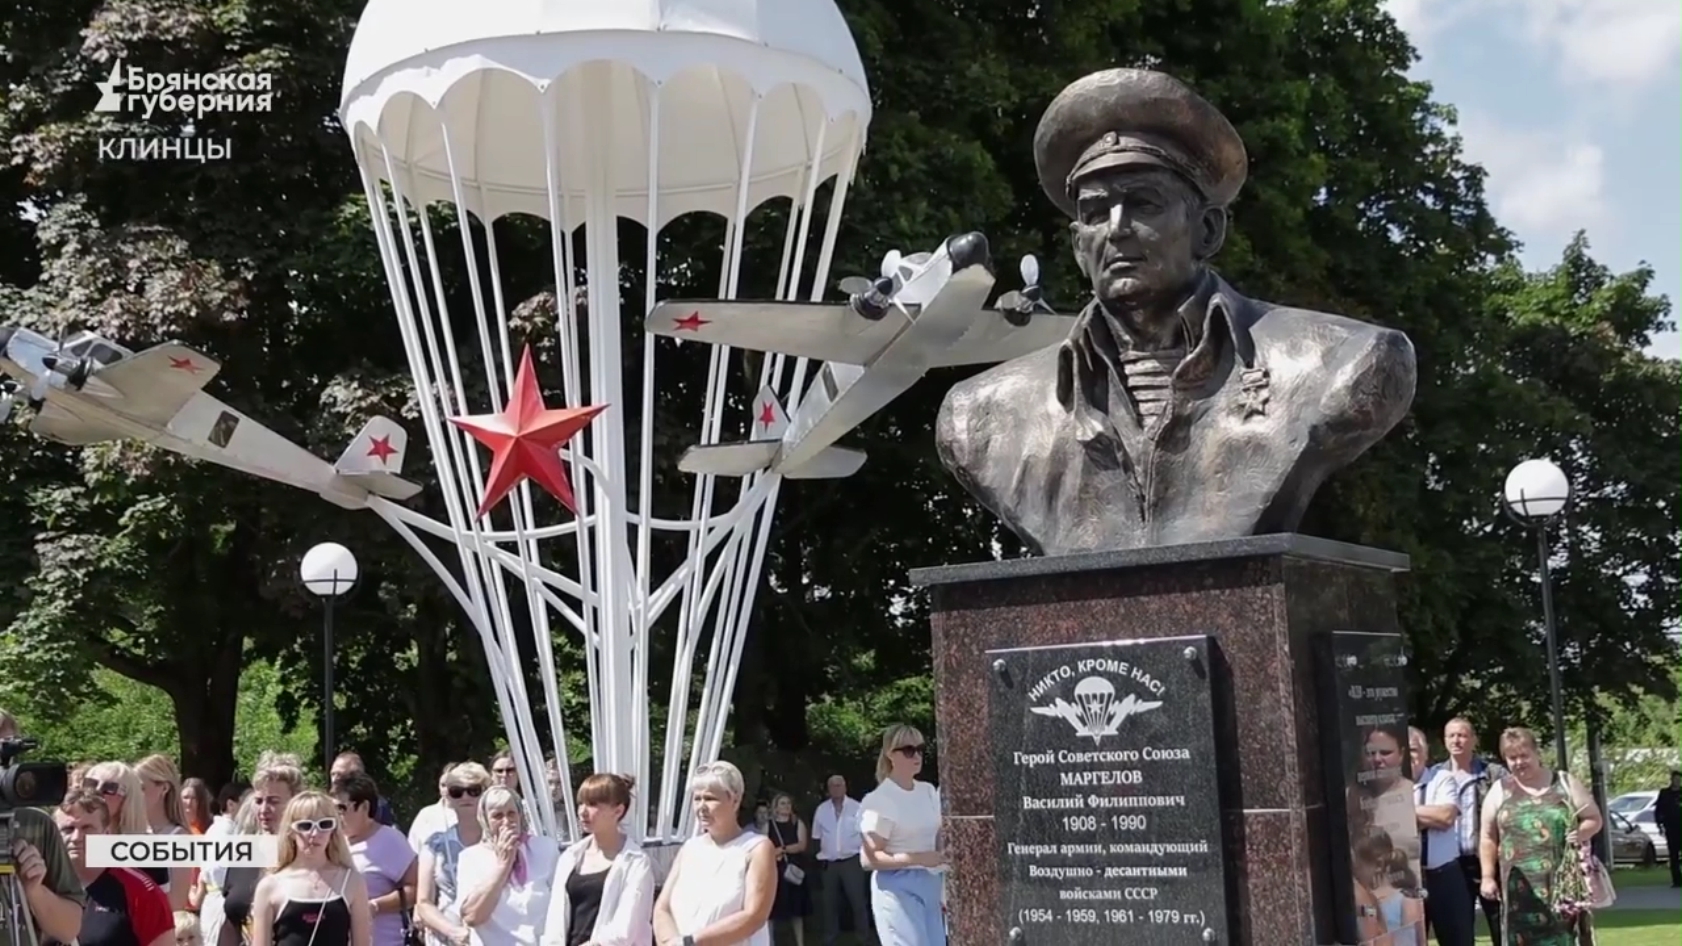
1536,492
329,571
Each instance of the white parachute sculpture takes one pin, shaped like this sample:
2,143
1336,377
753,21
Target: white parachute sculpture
583,112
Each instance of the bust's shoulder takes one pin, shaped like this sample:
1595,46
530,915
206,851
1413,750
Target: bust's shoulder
996,400
1275,326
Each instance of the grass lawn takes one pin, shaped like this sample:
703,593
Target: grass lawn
1638,877
1630,928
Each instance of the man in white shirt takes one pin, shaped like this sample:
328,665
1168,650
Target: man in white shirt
835,830
1473,778
1448,904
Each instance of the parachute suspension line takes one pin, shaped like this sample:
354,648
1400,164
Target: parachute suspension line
404,297
690,617
566,319
712,707
521,513
644,615
529,547
756,561
525,733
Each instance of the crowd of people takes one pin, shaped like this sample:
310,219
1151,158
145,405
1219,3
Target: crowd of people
1509,839
470,871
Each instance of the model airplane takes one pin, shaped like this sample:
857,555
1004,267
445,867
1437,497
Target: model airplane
87,389
925,311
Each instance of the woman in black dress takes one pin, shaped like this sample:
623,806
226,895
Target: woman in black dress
315,896
794,899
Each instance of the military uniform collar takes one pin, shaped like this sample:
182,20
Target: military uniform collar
1087,362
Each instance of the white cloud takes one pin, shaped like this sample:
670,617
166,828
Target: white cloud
1630,43
1620,42
1544,184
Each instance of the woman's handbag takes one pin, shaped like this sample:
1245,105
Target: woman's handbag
794,875
412,935
1601,892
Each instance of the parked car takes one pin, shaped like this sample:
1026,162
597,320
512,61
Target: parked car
1630,844
1631,804
1647,820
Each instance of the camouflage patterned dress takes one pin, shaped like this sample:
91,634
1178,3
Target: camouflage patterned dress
1538,869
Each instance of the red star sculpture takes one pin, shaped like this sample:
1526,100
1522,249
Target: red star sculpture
525,440
691,322
381,449
184,364
767,415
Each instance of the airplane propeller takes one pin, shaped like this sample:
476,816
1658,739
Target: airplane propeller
871,298
1019,305
74,370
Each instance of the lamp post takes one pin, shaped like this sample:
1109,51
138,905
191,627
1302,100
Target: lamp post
1536,492
328,571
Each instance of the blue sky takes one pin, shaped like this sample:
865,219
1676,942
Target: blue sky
1574,107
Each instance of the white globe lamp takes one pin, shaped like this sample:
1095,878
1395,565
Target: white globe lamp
1537,489
328,570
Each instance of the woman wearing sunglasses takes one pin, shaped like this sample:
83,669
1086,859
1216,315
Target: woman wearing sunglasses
119,785
436,908
315,895
902,845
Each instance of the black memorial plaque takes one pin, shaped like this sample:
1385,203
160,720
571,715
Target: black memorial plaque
1106,794
1370,784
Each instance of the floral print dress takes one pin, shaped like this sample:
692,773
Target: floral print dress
1539,870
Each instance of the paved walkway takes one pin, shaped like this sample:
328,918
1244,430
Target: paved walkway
1646,898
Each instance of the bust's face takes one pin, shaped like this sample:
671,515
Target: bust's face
1141,236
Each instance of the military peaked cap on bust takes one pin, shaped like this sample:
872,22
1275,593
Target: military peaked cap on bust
1124,117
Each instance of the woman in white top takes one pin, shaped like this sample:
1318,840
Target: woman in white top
604,884
722,884
504,880
902,845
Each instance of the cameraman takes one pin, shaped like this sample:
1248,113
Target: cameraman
51,888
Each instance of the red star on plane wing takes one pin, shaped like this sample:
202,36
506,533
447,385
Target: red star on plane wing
691,322
381,449
767,415
525,440
184,364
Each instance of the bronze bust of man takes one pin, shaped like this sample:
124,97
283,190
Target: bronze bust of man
1178,410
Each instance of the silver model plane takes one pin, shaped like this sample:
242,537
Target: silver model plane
87,389
926,311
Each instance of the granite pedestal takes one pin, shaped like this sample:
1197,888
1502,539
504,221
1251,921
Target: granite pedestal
1262,602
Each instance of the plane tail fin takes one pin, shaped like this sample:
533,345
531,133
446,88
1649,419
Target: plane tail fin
770,424
374,460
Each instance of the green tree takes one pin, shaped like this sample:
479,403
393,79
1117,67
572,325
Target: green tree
1359,202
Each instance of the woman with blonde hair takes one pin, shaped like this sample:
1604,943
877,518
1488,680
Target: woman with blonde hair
903,846
724,880
119,785
160,788
604,884
278,778
314,896
436,900
1533,848
505,880
209,889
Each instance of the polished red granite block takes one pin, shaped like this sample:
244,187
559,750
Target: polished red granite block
1264,599
972,885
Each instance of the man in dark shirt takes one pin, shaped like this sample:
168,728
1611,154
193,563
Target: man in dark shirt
1668,814
54,896
124,907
